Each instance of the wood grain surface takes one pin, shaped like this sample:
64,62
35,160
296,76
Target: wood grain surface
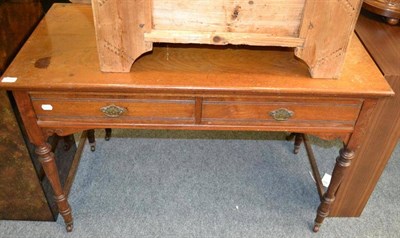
320,30
75,67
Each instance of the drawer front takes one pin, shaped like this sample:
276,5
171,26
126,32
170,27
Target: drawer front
285,112
113,108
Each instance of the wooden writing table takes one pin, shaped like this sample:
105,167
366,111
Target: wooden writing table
59,89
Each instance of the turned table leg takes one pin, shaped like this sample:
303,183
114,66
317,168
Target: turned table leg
46,158
342,163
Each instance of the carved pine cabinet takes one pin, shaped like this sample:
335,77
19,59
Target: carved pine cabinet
319,31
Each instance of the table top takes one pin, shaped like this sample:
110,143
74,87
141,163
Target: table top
382,41
61,55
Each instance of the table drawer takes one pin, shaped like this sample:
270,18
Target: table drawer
280,112
113,108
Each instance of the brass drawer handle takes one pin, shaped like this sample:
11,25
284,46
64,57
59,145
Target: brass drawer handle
113,110
281,114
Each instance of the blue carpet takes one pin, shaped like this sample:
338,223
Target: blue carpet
209,184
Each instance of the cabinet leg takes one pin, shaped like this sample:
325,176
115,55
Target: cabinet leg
67,142
108,134
46,158
298,139
91,139
342,163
